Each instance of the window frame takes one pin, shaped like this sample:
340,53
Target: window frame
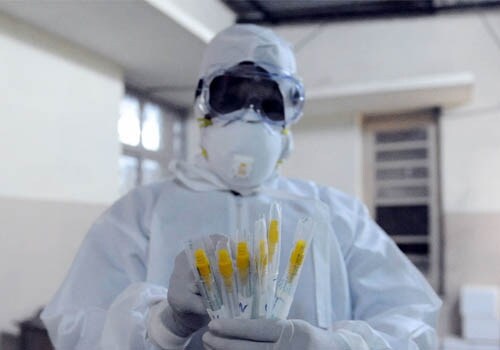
397,121
172,134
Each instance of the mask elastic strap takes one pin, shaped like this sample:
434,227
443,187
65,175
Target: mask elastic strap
285,148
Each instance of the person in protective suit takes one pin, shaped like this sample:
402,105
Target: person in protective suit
131,287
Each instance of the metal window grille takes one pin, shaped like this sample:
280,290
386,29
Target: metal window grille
402,184
151,135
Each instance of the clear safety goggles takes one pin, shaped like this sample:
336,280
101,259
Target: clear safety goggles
277,97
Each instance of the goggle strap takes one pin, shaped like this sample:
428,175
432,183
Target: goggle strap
199,89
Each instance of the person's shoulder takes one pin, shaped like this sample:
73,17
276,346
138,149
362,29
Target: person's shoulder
145,194
150,191
132,213
138,203
347,213
339,201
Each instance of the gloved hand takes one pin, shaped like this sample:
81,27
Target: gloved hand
266,334
261,334
186,313
183,312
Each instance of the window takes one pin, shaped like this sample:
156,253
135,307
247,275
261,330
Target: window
151,135
401,184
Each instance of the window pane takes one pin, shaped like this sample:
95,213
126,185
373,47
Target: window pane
401,135
128,173
404,220
421,261
152,127
403,192
414,248
407,154
402,173
151,171
129,127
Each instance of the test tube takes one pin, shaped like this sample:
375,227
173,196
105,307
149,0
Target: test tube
243,274
274,247
204,275
261,263
228,284
288,284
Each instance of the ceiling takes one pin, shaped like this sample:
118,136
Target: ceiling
278,12
159,44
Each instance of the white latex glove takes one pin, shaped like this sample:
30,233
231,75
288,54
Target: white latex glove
186,313
264,334
173,320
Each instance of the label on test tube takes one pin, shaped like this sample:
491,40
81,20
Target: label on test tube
245,306
288,283
274,246
228,285
208,288
245,297
296,259
261,267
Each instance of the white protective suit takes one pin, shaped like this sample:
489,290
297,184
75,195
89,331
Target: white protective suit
355,275
355,281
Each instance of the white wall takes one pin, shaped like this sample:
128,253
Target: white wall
353,54
328,151
365,53
470,173
59,111
470,145
59,150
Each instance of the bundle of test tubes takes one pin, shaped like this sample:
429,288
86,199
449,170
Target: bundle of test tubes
246,284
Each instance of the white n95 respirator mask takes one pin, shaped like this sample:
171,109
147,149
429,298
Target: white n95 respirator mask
243,153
